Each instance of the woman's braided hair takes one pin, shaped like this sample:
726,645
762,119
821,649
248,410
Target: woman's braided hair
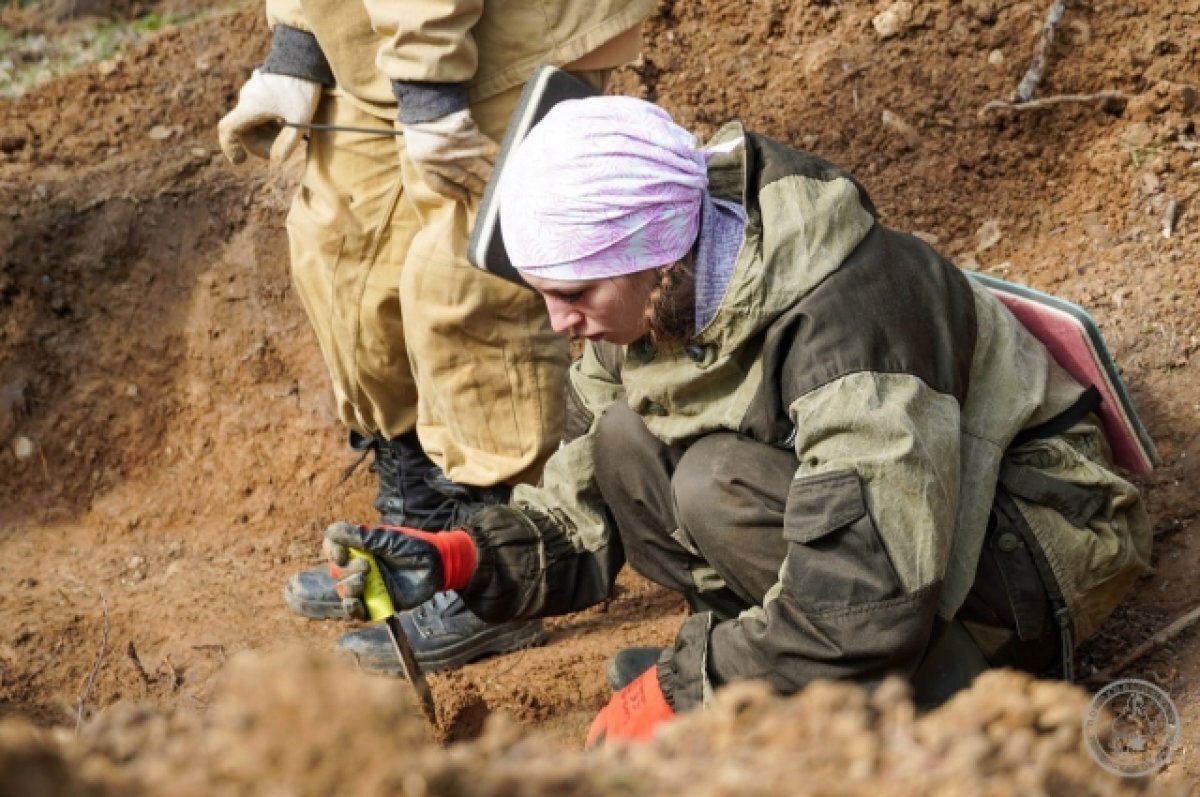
671,308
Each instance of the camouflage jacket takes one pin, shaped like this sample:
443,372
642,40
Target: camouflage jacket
899,383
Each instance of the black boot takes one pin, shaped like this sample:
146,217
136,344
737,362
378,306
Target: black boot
404,497
950,664
627,664
416,493
444,634
460,501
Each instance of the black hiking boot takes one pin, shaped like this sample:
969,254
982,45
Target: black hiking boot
951,662
460,501
313,594
444,634
405,497
416,493
627,664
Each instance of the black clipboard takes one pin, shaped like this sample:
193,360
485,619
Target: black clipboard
547,87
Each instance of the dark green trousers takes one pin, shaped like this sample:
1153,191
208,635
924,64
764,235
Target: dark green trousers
705,519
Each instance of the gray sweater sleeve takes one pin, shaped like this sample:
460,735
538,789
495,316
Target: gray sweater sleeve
424,102
297,53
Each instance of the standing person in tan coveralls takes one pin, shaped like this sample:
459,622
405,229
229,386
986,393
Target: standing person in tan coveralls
453,378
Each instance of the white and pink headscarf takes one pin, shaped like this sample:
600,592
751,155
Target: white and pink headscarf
602,187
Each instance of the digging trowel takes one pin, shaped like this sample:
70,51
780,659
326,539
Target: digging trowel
379,607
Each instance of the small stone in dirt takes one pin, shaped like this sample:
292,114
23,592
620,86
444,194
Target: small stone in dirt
892,20
1080,32
199,152
131,391
987,236
1189,99
23,448
1139,134
982,10
161,133
996,58
912,137
135,562
1095,228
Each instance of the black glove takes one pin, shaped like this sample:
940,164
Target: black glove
414,564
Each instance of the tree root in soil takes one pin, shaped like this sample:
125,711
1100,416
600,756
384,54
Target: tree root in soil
1155,642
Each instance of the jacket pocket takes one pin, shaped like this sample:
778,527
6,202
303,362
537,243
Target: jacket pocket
836,558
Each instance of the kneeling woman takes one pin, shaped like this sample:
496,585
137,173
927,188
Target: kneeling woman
848,456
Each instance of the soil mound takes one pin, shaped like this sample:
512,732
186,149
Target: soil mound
303,724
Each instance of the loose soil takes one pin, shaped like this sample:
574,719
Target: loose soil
170,452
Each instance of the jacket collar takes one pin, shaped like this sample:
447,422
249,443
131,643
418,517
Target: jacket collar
803,218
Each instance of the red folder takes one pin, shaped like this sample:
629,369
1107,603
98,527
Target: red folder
1074,340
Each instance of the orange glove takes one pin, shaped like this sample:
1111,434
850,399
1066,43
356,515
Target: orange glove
633,714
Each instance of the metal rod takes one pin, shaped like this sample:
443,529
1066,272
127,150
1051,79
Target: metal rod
412,669
375,131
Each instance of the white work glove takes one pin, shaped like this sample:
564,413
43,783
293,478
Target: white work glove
264,103
454,157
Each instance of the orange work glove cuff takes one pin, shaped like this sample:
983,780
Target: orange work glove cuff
633,714
457,551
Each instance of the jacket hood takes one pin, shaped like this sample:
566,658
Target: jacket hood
803,217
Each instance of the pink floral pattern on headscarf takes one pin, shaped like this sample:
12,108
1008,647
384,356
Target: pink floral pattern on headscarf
602,187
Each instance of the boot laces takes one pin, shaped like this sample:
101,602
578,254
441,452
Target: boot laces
353,466
462,500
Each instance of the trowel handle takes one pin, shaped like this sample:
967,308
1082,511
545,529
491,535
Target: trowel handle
375,595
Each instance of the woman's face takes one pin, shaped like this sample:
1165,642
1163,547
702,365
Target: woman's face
612,309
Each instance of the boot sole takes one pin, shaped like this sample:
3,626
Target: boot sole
476,648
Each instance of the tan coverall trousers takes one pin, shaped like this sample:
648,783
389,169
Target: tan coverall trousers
412,334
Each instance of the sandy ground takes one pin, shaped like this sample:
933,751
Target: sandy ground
168,448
